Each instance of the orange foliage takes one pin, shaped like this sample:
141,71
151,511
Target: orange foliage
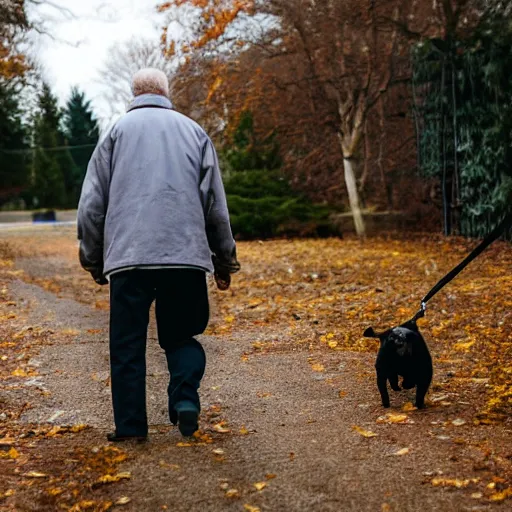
217,15
11,65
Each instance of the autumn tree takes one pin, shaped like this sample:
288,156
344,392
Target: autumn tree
13,23
344,55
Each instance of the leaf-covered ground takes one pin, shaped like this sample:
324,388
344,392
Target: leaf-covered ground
312,298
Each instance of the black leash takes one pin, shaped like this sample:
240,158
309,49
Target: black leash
488,240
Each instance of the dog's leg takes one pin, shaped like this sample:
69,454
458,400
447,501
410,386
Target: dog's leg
383,388
393,382
421,390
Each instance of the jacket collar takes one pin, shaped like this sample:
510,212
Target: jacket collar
150,100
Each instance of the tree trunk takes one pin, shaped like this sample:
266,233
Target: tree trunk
353,196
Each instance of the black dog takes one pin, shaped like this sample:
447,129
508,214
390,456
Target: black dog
403,352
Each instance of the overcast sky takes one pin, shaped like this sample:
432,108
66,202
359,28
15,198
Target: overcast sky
81,42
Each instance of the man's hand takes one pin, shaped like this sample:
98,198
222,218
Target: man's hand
97,275
223,281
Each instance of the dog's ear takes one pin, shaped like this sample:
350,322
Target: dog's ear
370,333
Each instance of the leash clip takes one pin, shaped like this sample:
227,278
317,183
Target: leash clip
423,307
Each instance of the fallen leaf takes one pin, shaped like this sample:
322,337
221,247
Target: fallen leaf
403,451
124,500
317,367
19,372
363,432
477,495
183,445
250,508
13,453
394,418
501,496
458,422
218,451
35,474
219,427
453,482
270,476
409,407
260,485
232,493
107,479
342,394
55,491
243,431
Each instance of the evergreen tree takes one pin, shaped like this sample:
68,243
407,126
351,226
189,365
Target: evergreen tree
82,132
14,168
49,161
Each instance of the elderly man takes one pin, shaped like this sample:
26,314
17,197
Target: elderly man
153,221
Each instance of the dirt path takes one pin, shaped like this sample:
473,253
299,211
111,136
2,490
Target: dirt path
289,416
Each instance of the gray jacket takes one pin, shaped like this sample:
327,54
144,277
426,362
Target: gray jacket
153,196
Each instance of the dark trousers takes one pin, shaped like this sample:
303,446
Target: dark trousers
181,306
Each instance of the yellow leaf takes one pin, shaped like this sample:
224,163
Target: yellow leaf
332,344
403,451
464,347
55,491
107,479
500,496
260,485
19,372
219,427
250,508
123,500
243,431
13,453
453,482
409,407
232,493
363,432
35,474
317,367
79,427
183,445
229,319
394,418
342,394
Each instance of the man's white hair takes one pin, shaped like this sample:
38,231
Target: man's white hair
150,81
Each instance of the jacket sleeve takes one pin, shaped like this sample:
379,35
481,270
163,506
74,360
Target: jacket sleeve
218,228
92,208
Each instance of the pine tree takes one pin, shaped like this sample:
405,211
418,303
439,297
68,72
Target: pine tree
49,183
14,168
82,132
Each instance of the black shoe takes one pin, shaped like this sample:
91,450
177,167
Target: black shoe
173,415
114,438
188,415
